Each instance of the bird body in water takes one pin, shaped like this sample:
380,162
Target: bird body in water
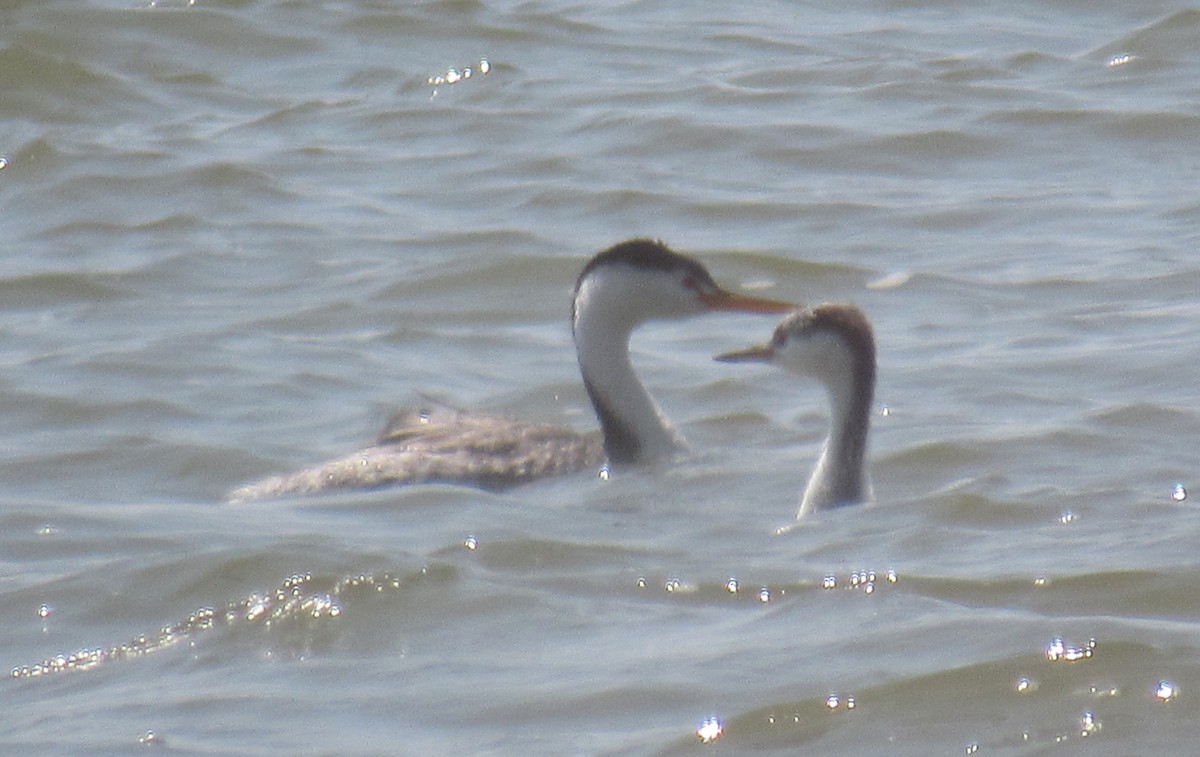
834,344
619,289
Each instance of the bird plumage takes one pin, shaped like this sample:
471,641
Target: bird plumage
619,289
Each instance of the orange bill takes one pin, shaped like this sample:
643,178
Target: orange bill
722,300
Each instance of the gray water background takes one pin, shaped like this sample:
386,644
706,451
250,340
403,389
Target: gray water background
238,234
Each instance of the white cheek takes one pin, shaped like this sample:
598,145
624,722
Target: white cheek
797,356
817,356
635,297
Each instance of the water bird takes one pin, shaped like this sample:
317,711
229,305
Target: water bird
834,344
619,289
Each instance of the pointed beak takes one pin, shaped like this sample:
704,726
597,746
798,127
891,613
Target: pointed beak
722,300
762,353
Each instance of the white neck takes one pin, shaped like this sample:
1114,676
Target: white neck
635,429
840,477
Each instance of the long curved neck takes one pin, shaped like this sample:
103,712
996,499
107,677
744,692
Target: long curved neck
635,429
840,477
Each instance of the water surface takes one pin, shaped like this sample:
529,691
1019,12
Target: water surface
239,234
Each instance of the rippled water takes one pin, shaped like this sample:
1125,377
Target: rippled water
238,234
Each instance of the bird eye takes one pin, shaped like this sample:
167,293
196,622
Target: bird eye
690,284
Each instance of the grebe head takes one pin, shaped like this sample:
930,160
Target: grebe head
831,343
835,345
619,289
641,280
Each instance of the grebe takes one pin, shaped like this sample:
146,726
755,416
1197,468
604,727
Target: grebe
618,290
835,345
